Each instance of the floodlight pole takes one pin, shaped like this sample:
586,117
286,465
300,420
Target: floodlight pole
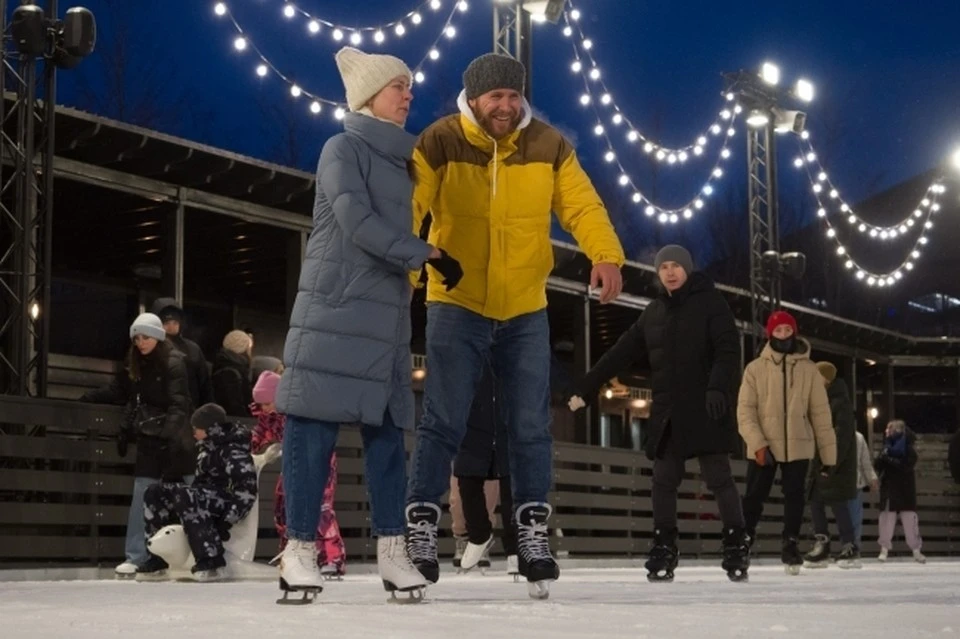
513,36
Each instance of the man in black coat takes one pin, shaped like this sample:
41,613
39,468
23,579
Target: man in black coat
198,375
688,339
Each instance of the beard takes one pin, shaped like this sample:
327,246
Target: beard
495,128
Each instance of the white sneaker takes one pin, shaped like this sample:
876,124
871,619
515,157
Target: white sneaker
298,566
883,554
919,557
473,553
396,569
126,570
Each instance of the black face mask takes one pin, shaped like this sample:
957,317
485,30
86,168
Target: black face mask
784,346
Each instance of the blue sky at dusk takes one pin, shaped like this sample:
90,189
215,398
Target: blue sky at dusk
887,76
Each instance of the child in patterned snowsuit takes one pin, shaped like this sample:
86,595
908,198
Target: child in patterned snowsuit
222,493
331,555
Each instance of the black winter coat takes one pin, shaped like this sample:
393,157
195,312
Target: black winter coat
690,343
898,480
198,375
231,383
225,466
163,386
483,451
841,484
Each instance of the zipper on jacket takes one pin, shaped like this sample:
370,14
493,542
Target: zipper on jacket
786,415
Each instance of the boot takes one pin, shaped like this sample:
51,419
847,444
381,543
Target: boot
396,570
849,557
790,556
474,554
422,521
736,554
298,567
663,557
154,570
919,557
819,555
536,563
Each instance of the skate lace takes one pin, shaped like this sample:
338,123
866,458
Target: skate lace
533,543
306,554
421,540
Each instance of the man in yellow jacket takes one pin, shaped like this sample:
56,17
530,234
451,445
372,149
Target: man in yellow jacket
490,176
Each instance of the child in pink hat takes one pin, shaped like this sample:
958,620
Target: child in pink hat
331,554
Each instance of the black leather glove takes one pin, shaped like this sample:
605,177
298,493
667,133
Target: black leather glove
123,442
449,268
716,404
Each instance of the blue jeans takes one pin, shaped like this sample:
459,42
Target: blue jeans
458,342
135,545
307,447
855,506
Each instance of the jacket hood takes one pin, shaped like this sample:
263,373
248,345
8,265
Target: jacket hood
838,388
802,352
163,303
226,357
476,133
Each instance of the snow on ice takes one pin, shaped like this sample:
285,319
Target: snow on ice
893,600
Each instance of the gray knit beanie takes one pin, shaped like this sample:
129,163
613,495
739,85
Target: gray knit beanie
208,415
674,253
148,325
493,71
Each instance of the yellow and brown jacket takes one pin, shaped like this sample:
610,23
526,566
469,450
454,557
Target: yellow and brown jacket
491,200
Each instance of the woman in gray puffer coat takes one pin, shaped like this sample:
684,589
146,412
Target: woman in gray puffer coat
347,353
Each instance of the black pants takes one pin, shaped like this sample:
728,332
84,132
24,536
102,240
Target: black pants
668,471
199,510
841,511
474,503
793,477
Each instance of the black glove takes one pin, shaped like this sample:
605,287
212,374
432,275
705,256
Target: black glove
223,529
123,441
449,268
716,404
826,471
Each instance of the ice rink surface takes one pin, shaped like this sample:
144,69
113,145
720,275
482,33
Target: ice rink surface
894,600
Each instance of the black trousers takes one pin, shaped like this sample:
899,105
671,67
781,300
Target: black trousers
199,510
841,511
668,471
793,477
474,503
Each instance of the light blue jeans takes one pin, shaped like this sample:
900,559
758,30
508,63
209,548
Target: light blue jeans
855,506
135,546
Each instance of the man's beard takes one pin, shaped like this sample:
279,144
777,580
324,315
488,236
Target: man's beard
487,122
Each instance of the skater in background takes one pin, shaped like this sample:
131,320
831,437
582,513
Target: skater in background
331,554
153,386
898,489
688,338
481,472
784,418
838,487
231,374
198,375
866,478
347,353
223,492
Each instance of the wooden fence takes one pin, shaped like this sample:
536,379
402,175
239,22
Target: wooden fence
64,496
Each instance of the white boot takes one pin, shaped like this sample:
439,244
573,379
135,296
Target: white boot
473,553
919,557
883,554
298,567
397,571
126,570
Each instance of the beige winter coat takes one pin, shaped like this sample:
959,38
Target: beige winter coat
760,408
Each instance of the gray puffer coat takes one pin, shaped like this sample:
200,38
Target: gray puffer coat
347,353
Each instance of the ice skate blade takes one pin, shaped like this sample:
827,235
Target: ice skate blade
849,565
515,575
414,596
539,589
816,565
737,576
119,576
663,576
153,577
793,570
309,594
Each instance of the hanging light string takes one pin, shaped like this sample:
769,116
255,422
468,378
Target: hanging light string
823,184
891,277
664,215
586,65
265,67
379,33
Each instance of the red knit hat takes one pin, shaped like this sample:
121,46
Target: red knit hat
779,318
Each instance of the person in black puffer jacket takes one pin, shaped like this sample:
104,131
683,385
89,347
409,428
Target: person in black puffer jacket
198,375
689,340
223,493
231,374
153,387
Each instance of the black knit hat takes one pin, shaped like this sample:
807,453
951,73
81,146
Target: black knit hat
208,415
493,71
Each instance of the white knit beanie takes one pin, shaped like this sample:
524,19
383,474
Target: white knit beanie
148,325
365,74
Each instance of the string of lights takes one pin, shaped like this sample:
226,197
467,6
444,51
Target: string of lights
378,33
822,184
891,277
586,65
265,68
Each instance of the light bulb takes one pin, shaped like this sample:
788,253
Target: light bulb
356,39
884,235
434,4
295,91
568,31
897,274
805,135
871,280
738,109
682,156
918,213
844,207
584,99
289,11
661,154
624,180
698,150
928,225
725,153
633,136
822,177
831,233
220,9
378,37
464,5
910,222
861,275
873,232
841,250
862,228
605,98
702,141
434,54
662,218
650,211
903,229
725,114
315,107
834,194
715,129
419,77
610,156
400,29
648,147
240,44
450,31
598,130
576,66
892,233
337,35
811,156
915,254
313,26
718,172
637,198
934,207
817,188
852,219
707,190
416,18
730,97
587,44
339,113
575,15
731,132
672,158
848,263
262,70
798,163
925,202
617,119
908,266
698,203
687,214
594,73
674,218
821,212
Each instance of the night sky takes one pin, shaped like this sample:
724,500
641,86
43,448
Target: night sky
887,76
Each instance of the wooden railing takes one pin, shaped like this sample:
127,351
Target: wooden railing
64,496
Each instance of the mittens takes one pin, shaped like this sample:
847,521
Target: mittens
449,268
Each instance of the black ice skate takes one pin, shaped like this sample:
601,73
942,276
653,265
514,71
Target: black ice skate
155,569
422,521
849,557
819,555
791,557
533,549
209,569
663,557
736,554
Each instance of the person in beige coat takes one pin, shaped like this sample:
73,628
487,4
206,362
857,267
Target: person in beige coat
783,415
